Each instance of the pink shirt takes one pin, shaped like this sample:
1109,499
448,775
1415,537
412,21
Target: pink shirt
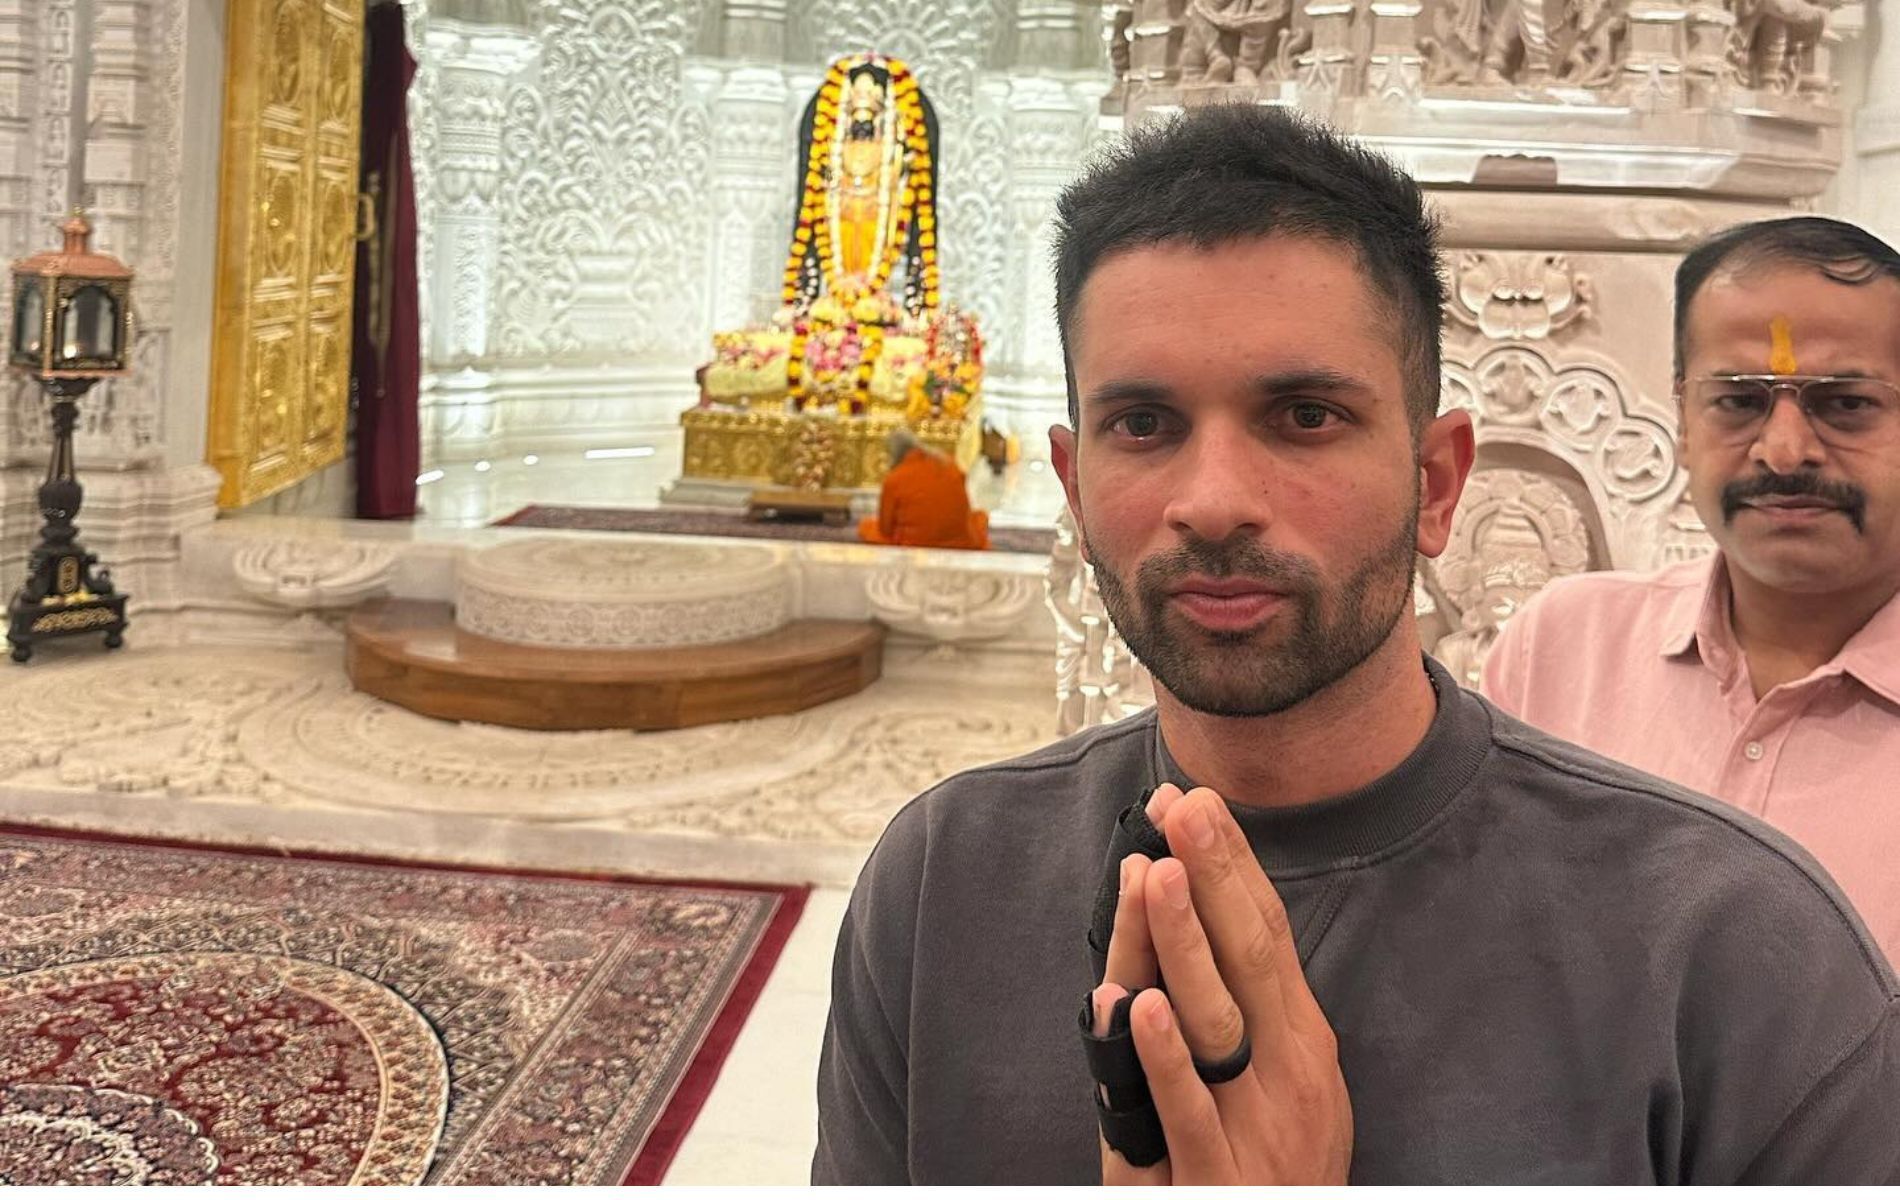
1645,669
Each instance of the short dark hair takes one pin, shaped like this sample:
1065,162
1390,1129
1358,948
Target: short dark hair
1844,253
1232,171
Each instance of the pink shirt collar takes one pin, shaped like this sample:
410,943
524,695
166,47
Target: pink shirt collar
1698,619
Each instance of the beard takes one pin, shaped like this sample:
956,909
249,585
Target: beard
1322,636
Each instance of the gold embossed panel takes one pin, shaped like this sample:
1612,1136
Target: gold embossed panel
286,249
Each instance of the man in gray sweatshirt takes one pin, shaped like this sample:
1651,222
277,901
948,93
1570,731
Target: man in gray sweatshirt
1392,935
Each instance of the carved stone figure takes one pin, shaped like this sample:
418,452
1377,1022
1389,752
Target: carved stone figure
1118,57
1232,41
1489,41
1775,40
1589,50
1515,531
1527,42
1518,41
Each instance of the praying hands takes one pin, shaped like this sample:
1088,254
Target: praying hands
1209,922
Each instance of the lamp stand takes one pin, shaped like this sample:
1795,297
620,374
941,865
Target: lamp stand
65,592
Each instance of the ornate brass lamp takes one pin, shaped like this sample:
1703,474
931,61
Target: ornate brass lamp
72,326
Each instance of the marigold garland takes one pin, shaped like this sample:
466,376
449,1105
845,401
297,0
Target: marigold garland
813,238
795,370
812,269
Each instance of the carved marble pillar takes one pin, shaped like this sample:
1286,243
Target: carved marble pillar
1328,69
19,21
1048,34
137,85
754,30
1395,70
1154,40
751,193
1043,135
1653,69
474,65
1707,71
1117,22
1876,199
114,176
120,420
21,34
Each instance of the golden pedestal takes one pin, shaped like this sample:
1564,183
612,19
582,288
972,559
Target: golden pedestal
761,445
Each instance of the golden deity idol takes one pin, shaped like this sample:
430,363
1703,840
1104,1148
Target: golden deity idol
861,341
865,185
867,213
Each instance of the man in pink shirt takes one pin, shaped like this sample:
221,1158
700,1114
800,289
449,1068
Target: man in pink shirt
1769,675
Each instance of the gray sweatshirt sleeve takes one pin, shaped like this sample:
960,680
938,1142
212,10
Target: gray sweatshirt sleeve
863,1068
1847,1129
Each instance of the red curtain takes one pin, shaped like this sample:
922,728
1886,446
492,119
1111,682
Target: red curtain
386,361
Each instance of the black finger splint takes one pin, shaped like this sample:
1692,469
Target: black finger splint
1127,1116
1134,834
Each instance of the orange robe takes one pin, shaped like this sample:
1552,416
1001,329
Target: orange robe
925,502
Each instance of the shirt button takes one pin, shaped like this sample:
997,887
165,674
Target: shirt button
1753,751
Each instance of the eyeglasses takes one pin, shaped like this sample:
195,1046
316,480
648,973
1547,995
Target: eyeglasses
1844,413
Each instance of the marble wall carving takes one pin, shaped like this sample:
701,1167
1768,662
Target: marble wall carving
1517,296
1728,55
131,190
949,606
299,574
1576,42
569,592
1514,532
604,194
140,494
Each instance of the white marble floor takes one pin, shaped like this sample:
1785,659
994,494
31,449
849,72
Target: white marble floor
274,748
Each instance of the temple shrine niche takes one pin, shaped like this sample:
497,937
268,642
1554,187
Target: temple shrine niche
863,341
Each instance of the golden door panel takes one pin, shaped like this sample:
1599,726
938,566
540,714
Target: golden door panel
286,248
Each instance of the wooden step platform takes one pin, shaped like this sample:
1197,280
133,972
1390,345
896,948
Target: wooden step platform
411,653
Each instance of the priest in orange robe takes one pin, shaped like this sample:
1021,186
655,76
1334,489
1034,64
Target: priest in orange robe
924,502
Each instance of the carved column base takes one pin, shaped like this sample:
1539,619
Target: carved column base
1708,75
1329,69
1395,70
1154,41
1653,72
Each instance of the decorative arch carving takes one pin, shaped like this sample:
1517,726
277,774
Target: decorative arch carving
1584,412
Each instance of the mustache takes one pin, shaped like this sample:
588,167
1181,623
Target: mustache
1238,556
1844,496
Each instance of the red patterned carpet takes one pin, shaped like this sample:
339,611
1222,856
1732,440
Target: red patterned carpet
177,1015
701,523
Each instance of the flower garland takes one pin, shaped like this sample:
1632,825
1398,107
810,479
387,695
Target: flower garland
907,149
919,191
951,374
815,242
795,368
867,366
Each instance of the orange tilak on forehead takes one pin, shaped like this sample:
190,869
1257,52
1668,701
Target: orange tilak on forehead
1781,359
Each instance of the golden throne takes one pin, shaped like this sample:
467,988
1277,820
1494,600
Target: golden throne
862,342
